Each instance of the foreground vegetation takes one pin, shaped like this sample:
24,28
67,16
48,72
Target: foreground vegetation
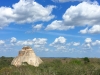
53,66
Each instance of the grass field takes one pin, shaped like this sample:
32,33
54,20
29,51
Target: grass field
53,66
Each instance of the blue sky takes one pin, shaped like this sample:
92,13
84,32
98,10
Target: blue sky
53,28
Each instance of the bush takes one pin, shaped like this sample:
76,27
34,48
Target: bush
86,60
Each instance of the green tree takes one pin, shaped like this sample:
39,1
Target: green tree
86,60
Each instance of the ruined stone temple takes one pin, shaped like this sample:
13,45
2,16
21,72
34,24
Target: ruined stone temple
26,55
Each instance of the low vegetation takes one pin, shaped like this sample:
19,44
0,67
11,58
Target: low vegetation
53,66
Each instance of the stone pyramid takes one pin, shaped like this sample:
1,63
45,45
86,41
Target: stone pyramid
26,55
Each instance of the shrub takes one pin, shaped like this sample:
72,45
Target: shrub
86,60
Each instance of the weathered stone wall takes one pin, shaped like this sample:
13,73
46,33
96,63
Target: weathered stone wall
21,53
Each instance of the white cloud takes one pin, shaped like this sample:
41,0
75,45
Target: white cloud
93,30
58,25
36,42
59,40
76,43
87,46
25,43
13,40
85,13
46,49
25,11
39,44
40,41
2,42
84,31
97,42
5,16
8,47
37,27
60,47
59,43
88,40
63,1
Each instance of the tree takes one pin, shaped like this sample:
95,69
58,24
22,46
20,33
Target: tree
86,60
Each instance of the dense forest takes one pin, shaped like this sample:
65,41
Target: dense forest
53,66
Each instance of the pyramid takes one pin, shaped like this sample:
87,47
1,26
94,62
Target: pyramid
26,55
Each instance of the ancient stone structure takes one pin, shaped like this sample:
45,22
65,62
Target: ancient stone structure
26,55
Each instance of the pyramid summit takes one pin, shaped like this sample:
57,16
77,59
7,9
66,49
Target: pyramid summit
26,55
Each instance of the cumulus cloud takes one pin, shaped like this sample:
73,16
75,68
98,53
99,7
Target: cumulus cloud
37,27
84,31
59,40
2,42
88,44
59,43
24,43
76,43
58,25
88,40
5,16
40,41
39,44
63,1
25,11
36,42
84,13
97,42
13,40
93,30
